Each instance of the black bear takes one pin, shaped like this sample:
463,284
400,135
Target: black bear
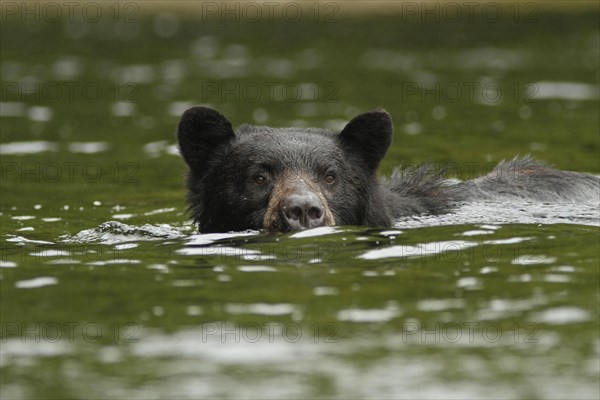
287,179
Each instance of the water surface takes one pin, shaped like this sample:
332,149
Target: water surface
107,292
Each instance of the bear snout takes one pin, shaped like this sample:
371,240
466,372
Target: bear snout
302,211
296,203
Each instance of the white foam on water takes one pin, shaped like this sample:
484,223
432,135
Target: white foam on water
33,147
321,231
36,282
563,90
88,147
418,250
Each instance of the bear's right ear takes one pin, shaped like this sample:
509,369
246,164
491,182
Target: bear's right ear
201,130
369,135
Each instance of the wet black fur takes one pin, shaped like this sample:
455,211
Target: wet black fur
223,196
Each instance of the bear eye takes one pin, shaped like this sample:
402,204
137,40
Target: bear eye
329,178
260,179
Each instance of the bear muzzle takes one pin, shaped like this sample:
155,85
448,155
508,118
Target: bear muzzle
296,204
302,211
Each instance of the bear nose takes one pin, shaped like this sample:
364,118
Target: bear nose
303,211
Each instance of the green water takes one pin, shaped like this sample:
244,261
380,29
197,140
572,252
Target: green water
468,310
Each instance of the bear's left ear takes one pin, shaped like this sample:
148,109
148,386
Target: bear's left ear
201,130
370,135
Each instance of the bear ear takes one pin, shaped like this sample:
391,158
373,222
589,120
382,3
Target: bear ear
369,134
201,130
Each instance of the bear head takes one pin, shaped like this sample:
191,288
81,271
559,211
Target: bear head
283,179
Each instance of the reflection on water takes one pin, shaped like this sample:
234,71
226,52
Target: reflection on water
512,212
108,292
382,312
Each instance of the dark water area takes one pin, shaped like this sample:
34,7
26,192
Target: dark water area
107,291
